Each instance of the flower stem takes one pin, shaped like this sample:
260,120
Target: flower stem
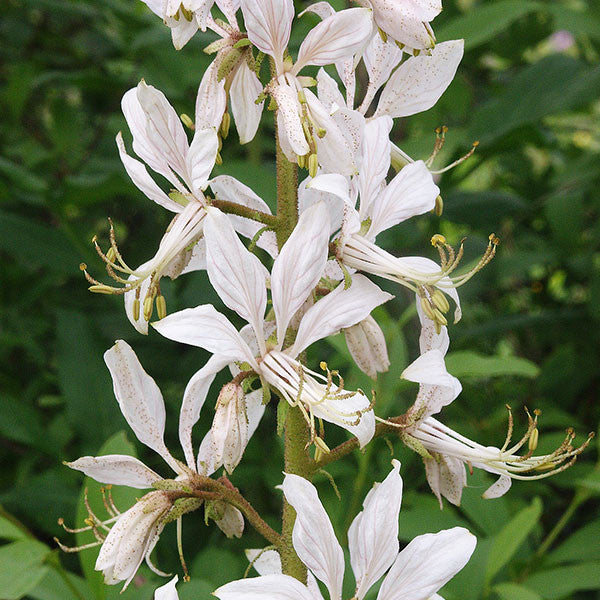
287,194
233,208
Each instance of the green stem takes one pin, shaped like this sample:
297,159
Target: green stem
233,208
287,194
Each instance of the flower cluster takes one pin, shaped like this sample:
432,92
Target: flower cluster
311,280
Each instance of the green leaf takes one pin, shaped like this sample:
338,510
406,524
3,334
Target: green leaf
579,546
37,246
483,23
557,83
510,538
9,530
54,587
465,363
21,567
514,591
563,581
124,498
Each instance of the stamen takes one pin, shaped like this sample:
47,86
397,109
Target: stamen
186,575
457,162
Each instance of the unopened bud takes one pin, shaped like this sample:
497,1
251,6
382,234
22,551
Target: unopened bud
148,307
161,306
313,165
136,309
225,124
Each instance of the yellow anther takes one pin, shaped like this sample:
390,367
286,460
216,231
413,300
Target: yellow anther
161,306
301,97
321,445
427,309
494,239
187,121
302,161
313,165
225,124
219,159
440,301
148,307
439,206
533,439
475,143
136,309
323,365
111,254
439,317
82,266
321,132
101,289
438,239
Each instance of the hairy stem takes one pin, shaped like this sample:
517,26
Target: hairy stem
287,195
233,208
228,493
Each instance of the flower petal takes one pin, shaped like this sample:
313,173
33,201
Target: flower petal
380,59
419,82
446,477
116,469
237,275
339,309
142,180
498,488
289,125
313,536
193,400
427,564
411,192
339,36
201,157
266,562
268,23
211,100
373,535
271,587
366,344
299,265
167,591
232,522
139,399
206,328
245,89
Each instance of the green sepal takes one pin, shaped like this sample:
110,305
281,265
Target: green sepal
170,485
282,411
415,445
181,506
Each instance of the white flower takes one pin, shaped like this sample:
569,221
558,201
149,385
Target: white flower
415,573
136,531
451,451
240,280
167,591
366,344
306,128
183,17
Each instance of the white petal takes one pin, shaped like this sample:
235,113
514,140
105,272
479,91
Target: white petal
339,36
498,488
116,469
352,125
288,120
332,183
164,128
142,180
335,151
418,83
309,196
232,522
427,563
229,8
446,477
139,398
167,591
328,91
366,344
411,192
228,188
339,309
322,9
313,536
206,328
237,275
437,387
364,430
380,60
201,157
193,400
375,152
267,587
268,23
182,30
245,89
373,535
129,298
211,100
299,265
266,562
429,337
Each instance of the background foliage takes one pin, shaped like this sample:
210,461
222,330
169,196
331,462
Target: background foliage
528,89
